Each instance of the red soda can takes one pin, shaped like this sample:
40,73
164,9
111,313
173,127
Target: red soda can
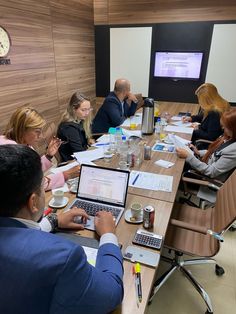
148,217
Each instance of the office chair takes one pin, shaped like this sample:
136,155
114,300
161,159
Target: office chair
192,181
198,232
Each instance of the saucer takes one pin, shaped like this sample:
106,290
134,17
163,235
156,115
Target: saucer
63,204
128,217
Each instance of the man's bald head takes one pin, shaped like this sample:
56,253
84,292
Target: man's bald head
122,86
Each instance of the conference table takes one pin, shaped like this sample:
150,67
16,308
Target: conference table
162,202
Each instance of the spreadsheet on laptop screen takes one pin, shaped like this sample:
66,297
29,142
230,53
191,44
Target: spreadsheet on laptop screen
107,185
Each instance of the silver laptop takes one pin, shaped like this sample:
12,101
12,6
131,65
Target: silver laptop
101,188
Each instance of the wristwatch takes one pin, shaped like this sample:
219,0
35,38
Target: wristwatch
49,157
52,218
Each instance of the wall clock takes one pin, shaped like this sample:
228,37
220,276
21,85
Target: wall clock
5,42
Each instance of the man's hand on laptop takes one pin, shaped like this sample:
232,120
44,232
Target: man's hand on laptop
104,223
66,220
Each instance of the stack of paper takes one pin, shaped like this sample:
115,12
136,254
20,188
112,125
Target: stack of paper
180,142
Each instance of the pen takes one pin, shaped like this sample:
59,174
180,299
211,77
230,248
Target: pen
101,144
138,282
135,179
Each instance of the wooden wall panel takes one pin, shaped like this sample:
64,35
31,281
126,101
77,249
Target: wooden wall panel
36,6
73,35
31,35
159,11
52,54
101,16
34,86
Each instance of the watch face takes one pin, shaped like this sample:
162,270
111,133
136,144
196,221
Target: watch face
4,42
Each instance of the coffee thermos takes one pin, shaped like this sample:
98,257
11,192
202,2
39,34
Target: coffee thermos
148,117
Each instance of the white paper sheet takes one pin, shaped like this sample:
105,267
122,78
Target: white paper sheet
89,155
183,124
176,118
64,168
180,142
129,133
126,123
104,138
150,181
178,129
91,254
164,163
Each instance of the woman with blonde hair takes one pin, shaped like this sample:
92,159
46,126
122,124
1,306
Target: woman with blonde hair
25,127
74,127
212,107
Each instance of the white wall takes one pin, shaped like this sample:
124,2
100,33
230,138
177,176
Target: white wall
221,70
130,51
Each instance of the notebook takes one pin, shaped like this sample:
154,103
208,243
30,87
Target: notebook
98,189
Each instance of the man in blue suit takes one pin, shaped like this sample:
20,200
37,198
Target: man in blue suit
115,108
40,272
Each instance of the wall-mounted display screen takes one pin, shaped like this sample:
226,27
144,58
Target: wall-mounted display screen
178,65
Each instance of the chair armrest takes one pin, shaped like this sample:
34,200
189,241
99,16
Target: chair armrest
188,226
201,140
199,176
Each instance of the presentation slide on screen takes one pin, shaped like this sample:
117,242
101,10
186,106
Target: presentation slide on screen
178,65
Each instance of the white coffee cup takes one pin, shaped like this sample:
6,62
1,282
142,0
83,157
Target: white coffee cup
136,210
58,196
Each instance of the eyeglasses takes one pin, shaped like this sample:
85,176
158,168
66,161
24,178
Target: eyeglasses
86,110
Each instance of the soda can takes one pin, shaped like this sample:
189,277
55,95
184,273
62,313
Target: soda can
147,152
148,217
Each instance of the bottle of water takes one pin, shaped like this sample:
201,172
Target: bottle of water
118,139
124,149
158,127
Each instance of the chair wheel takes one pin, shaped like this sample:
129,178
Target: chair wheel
219,270
232,228
208,312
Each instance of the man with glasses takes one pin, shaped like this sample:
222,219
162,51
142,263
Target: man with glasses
41,272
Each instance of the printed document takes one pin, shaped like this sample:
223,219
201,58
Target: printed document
178,129
150,181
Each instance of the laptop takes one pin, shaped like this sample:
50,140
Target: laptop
101,188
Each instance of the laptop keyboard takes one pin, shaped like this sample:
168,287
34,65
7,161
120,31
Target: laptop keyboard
92,208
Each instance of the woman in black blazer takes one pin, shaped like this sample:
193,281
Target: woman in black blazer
74,127
212,107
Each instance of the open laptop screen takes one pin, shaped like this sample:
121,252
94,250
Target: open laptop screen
103,184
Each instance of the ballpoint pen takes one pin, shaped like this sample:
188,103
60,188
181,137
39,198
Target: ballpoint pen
135,179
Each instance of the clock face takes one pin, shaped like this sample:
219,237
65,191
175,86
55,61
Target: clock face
4,42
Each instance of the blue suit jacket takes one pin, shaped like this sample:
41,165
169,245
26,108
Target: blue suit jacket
110,114
42,273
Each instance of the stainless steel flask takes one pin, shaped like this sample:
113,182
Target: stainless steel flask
148,116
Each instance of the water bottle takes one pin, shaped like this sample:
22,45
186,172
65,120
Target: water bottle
118,139
124,149
158,127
